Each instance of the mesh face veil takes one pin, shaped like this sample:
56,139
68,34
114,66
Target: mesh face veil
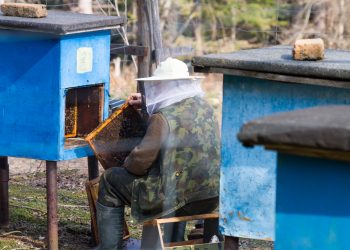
160,94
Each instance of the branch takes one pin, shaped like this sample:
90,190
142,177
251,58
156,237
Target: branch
185,25
10,233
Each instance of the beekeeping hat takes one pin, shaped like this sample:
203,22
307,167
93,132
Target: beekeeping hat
171,69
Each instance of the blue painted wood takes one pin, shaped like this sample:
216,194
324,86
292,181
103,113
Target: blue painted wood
247,196
78,152
312,205
36,69
100,43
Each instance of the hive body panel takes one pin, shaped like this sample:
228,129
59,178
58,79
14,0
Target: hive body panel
248,185
36,72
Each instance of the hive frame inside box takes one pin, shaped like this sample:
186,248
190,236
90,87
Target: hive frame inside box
84,112
113,140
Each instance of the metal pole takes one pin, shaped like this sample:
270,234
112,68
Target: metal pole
93,173
93,167
4,192
52,224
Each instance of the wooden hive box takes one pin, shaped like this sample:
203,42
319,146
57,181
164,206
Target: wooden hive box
54,83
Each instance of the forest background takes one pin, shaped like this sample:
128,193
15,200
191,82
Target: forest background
215,26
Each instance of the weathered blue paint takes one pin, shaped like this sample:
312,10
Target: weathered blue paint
247,198
36,69
312,209
77,152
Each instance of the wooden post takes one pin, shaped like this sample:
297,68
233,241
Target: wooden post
149,35
144,38
157,36
144,34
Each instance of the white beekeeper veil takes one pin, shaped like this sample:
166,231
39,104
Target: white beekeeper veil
170,83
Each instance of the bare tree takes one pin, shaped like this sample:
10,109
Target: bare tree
85,6
320,18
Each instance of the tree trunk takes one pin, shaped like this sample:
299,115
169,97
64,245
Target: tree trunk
85,6
134,24
342,19
166,8
233,30
198,29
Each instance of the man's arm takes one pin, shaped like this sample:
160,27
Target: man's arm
142,156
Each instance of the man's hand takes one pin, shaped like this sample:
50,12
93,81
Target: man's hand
135,100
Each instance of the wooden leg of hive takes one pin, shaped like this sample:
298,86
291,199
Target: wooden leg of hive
51,188
4,192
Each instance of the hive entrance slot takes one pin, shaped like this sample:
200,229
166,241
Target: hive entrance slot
83,113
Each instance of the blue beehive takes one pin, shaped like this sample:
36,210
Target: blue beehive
257,83
54,83
313,173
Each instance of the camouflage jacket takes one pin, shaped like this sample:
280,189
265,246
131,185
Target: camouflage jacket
187,168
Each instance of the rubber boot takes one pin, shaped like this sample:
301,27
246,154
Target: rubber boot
110,224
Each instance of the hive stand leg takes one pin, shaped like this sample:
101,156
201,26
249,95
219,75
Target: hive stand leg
4,192
151,237
93,167
93,173
211,228
231,243
51,191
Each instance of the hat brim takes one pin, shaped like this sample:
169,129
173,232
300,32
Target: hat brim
154,78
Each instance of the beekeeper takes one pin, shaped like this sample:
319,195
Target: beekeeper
175,168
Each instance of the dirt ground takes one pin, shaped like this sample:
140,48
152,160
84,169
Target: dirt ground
28,208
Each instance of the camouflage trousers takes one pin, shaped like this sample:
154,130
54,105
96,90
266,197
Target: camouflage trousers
115,190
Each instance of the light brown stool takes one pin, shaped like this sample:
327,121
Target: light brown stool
152,234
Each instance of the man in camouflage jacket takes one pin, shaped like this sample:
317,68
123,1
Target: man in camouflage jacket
174,170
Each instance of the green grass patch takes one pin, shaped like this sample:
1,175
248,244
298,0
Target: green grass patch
28,216
7,244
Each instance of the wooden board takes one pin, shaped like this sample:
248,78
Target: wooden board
152,237
113,140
